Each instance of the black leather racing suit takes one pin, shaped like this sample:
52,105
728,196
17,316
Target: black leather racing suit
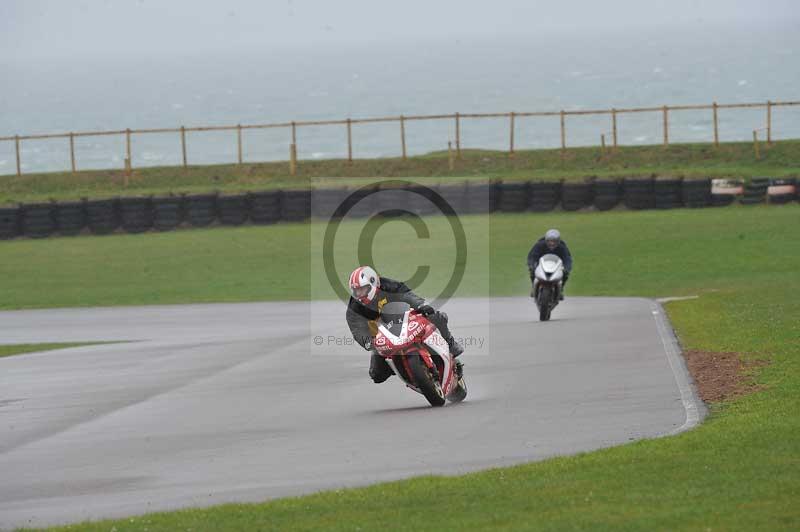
361,320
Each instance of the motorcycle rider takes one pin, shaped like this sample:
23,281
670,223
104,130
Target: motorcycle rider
550,243
369,294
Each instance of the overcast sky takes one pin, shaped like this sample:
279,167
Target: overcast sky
80,28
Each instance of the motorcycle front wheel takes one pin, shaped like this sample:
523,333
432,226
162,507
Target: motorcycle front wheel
545,294
430,387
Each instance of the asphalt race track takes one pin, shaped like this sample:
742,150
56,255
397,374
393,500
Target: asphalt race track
235,402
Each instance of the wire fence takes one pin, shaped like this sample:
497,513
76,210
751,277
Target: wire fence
612,135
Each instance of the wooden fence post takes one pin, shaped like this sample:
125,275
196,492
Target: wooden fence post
755,144
603,143
19,162
769,123
511,134
349,141
72,151
239,142
293,159
183,146
458,135
716,126
614,126
128,158
666,126
563,135
403,135
294,135
450,162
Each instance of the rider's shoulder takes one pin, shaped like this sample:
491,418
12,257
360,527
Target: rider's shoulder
393,286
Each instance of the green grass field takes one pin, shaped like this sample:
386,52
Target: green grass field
689,160
19,349
740,470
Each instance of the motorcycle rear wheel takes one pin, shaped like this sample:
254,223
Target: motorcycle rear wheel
430,387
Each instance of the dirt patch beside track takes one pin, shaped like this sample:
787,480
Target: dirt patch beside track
722,376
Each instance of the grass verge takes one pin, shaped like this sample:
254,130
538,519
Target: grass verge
689,160
19,349
738,471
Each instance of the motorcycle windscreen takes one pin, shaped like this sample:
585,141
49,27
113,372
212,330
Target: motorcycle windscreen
393,316
550,263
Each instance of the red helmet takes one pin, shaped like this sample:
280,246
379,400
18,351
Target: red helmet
364,282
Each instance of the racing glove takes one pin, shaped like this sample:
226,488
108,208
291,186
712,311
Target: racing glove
426,310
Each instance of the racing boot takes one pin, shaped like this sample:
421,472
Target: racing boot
379,369
459,369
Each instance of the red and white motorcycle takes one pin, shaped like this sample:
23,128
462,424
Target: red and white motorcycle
419,355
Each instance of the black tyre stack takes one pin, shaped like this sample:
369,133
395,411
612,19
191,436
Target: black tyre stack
102,216
136,214
38,220
392,201
9,223
639,193
668,193
365,202
233,210
167,212
200,209
296,206
575,196
782,191
755,191
326,201
696,192
544,196
481,198
724,192
265,207
70,217
456,195
606,194
421,201
513,196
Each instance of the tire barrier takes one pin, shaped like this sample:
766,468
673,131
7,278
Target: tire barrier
167,212
38,220
639,193
575,196
606,194
265,207
9,223
696,192
668,193
140,214
481,198
70,217
755,191
457,196
782,191
136,214
200,209
544,196
296,205
513,197
102,216
325,201
391,202
725,191
233,210
419,202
